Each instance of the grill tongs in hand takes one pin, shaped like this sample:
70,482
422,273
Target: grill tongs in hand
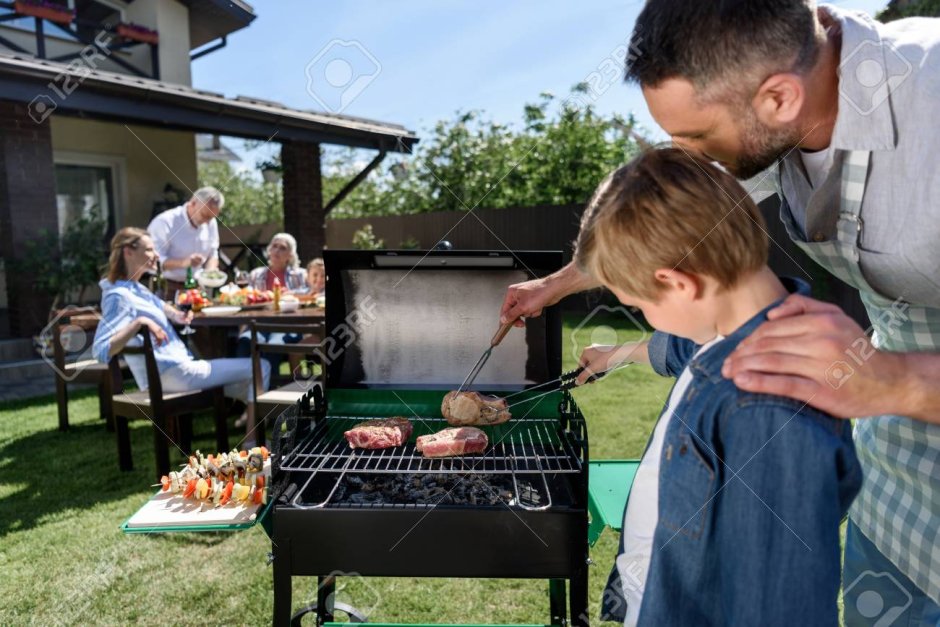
566,381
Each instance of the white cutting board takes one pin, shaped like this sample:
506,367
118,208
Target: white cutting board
166,509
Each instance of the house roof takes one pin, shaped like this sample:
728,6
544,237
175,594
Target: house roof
99,94
211,19
211,148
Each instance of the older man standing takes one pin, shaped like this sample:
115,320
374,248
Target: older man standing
188,236
848,108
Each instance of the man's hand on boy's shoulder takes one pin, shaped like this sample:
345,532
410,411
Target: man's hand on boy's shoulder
812,351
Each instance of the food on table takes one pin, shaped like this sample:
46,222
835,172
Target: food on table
379,433
214,275
244,296
472,408
233,477
453,441
192,298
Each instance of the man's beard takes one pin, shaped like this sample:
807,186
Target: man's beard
761,147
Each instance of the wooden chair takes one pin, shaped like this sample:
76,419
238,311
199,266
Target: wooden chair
80,320
283,392
170,413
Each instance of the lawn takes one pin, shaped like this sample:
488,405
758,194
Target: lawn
65,560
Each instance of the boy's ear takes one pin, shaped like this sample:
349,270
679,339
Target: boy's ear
682,283
779,99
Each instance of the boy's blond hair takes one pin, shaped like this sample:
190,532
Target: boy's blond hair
668,209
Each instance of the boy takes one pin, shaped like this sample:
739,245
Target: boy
733,517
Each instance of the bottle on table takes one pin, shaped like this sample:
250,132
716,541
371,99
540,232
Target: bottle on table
277,294
190,282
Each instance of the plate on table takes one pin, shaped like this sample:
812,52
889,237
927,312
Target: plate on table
221,310
255,306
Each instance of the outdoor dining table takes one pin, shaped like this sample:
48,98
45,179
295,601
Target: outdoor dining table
219,327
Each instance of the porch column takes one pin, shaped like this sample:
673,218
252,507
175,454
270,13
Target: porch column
303,198
27,206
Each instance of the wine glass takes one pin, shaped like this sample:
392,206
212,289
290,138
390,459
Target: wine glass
297,282
184,302
241,278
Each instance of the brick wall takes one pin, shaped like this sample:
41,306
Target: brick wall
27,205
303,197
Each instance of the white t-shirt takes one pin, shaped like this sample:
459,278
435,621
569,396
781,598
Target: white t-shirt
175,237
642,513
817,165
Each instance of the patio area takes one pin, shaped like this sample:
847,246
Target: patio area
67,529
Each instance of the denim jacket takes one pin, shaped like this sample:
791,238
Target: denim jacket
752,490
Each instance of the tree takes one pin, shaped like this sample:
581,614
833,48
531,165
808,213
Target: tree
247,199
557,156
898,9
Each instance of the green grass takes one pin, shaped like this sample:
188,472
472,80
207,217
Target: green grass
65,561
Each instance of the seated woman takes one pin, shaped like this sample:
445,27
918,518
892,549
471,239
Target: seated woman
283,264
127,307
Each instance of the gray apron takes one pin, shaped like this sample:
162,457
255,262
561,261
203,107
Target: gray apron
898,507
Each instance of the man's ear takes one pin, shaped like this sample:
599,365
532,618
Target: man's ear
681,283
779,99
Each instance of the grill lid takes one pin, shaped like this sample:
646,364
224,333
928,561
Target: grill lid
421,319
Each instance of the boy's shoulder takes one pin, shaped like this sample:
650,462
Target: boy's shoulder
735,408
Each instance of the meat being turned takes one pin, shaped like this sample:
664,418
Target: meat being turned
453,441
472,408
380,433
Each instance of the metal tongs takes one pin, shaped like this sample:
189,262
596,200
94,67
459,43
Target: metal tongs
500,334
566,381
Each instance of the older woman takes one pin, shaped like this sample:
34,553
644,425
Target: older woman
283,264
127,307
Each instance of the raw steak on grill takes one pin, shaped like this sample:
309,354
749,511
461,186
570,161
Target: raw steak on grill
453,441
472,408
379,433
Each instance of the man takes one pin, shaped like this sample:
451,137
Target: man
188,236
848,109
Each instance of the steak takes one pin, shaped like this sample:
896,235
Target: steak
453,441
379,433
472,408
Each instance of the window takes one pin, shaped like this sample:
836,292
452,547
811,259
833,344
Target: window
83,189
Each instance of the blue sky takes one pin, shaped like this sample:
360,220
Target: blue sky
422,60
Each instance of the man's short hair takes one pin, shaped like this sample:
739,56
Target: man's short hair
722,44
207,195
669,209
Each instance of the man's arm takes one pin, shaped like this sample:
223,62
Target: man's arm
212,262
602,358
789,476
527,299
813,352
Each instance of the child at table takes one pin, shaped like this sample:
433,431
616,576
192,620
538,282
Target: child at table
734,514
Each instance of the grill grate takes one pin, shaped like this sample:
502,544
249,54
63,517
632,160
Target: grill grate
527,446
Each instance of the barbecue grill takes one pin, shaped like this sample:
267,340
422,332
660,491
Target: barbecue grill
405,326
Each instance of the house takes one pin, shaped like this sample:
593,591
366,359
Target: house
97,108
